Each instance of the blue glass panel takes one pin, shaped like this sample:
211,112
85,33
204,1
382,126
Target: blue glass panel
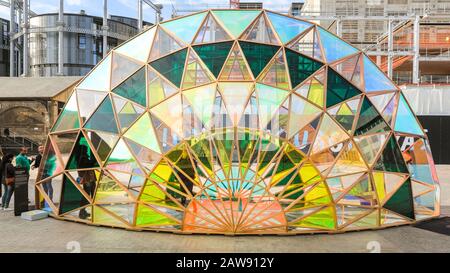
334,47
406,122
374,79
286,27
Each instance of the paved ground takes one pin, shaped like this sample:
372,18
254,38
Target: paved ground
50,235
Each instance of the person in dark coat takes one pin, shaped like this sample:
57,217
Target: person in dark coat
8,172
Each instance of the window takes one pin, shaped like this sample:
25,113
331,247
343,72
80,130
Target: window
82,41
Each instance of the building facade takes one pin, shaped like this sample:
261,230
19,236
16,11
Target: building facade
82,42
4,47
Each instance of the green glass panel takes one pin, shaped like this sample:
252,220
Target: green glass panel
391,159
286,27
68,119
82,156
127,112
258,55
374,79
214,55
236,21
103,119
405,121
339,89
142,132
102,142
138,48
334,47
172,66
186,27
134,88
401,201
147,216
99,78
71,197
122,68
370,121
300,66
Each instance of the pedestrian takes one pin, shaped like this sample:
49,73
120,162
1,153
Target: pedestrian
8,179
22,161
38,159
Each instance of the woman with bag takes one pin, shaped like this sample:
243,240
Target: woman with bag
8,179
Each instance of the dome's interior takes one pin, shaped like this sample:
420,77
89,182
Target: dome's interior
238,122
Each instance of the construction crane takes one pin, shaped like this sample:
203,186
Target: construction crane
234,4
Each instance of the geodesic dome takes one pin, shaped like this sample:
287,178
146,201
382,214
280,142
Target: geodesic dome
238,122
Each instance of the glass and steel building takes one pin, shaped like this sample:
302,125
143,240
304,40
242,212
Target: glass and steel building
4,47
238,122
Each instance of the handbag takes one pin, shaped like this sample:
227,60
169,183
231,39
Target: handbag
9,181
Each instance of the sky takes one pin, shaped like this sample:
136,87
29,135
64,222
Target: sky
129,7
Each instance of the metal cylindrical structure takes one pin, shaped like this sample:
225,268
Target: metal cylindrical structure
105,28
416,46
140,15
60,25
11,40
25,28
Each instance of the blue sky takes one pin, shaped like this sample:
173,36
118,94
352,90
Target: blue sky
129,7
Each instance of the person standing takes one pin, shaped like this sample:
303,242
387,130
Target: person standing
38,159
8,179
22,161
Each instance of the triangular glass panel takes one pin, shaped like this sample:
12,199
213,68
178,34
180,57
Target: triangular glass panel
148,158
381,101
260,32
68,119
170,112
122,68
125,212
171,66
323,219
71,197
250,118
313,90
405,121
235,96
99,78
391,159
334,47
163,45
142,132
350,68
323,160
134,88
211,32
235,68
195,73
186,27
340,184
300,66
278,125
349,161
370,121
345,113
390,218
301,113
103,119
339,89
269,100
370,146
64,144
88,101
102,142
369,221
420,162
346,214
214,55
105,218
138,47
308,44
276,74
387,183
401,201
329,134
158,88
221,119
258,55
109,191
167,136
127,112
388,112
236,21
374,79
287,28
202,101
305,137
147,216
122,160
82,156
